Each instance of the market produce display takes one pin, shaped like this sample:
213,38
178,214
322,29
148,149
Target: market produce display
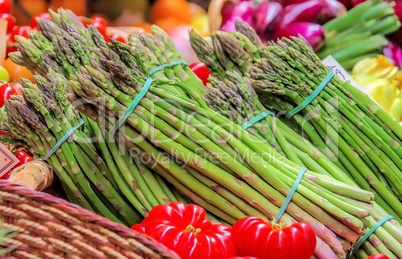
275,155
181,138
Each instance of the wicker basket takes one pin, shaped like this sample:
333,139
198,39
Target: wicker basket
44,226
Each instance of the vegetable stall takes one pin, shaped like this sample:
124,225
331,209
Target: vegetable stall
261,149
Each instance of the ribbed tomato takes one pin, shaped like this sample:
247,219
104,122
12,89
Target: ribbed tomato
185,230
253,236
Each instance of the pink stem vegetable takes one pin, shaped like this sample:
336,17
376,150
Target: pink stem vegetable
231,10
265,17
394,53
316,11
312,32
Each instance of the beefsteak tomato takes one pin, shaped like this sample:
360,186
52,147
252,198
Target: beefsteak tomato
185,230
252,236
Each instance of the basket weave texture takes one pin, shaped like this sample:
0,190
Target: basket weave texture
44,226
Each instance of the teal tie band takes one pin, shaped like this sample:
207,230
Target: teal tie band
369,233
256,119
62,140
290,194
313,95
141,95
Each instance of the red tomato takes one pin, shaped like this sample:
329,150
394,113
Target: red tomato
10,21
100,20
6,6
11,44
45,16
5,134
11,48
23,157
118,37
242,257
185,230
201,70
5,176
20,31
85,20
6,91
253,236
101,28
378,256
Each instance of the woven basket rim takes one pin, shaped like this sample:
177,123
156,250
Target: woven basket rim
84,215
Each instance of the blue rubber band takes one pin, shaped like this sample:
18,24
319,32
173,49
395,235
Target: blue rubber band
256,119
290,194
141,95
313,95
370,232
62,140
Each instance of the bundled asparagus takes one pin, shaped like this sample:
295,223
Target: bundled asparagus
236,101
235,98
244,52
146,189
40,119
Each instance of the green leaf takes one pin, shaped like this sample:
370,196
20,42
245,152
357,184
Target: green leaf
5,235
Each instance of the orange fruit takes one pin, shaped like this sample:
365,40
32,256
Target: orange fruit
177,9
167,23
77,6
196,9
28,8
145,26
16,71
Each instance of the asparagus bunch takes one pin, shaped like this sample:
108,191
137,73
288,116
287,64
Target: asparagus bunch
42,117
228,100
42,50
235,99
218,98
240,52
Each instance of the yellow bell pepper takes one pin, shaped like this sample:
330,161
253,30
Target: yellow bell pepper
382,81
